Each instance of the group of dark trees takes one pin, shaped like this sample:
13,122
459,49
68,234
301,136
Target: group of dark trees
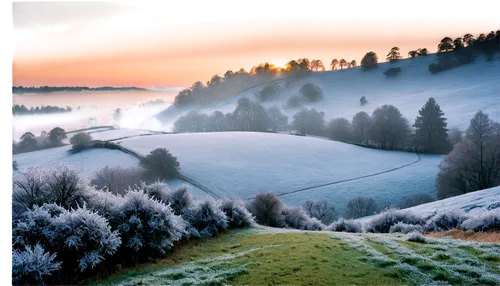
461,51
335,64
29,142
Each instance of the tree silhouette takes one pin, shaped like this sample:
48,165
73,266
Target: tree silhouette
317,65
481,38
445,45
369,61
422,52
412,54
393,54
458,43
353,63
342,63
468,39
292,65
56,135
334,64
431,133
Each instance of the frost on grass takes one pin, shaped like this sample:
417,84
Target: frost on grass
415,236
210,271
486,221
346,225
445,220
32,264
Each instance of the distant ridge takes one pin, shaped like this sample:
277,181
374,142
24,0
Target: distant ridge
46,89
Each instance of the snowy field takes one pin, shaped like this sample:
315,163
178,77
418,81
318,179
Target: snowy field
460,92
90,162
117,133
473,203
242,164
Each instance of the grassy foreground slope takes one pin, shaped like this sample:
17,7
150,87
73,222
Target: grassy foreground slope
278,257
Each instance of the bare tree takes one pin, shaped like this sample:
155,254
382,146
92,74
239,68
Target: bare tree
388,127
65,186
277,119
322,210
473,164
339,129
29,188
360,126
117,179
360,207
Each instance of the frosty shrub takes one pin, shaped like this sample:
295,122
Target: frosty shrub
65,186
346,225
180,199
81,238
313,224
206,218
236,213
487,221
267,209
445,220
29,188
31,265
294,217
147,226
104,202
35,226
415,236
158,191
382,222
322,210
80,141
117,180
360,207
405,228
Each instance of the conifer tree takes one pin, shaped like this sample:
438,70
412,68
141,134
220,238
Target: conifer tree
431,134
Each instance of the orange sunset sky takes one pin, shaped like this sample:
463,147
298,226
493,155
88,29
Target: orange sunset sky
178,42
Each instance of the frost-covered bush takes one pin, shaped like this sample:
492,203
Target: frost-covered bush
29,188
294,217
382,222
82,239
486,221
117,180
298,219
35,226
346,225
147,226
445,220
207,219
267,209
405,228
104,202
31,265
236,213
180,199
415,236
313,224
158,191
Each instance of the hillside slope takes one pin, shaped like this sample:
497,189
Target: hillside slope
242,164
461,92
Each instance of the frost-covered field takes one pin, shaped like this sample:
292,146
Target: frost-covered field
460,92
117,133
242,164
473,204
89,162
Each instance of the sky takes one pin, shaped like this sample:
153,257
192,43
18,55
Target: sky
175,43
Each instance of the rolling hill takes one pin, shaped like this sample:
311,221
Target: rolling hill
242,164
460,92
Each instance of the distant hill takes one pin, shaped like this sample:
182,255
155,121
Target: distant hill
45,89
